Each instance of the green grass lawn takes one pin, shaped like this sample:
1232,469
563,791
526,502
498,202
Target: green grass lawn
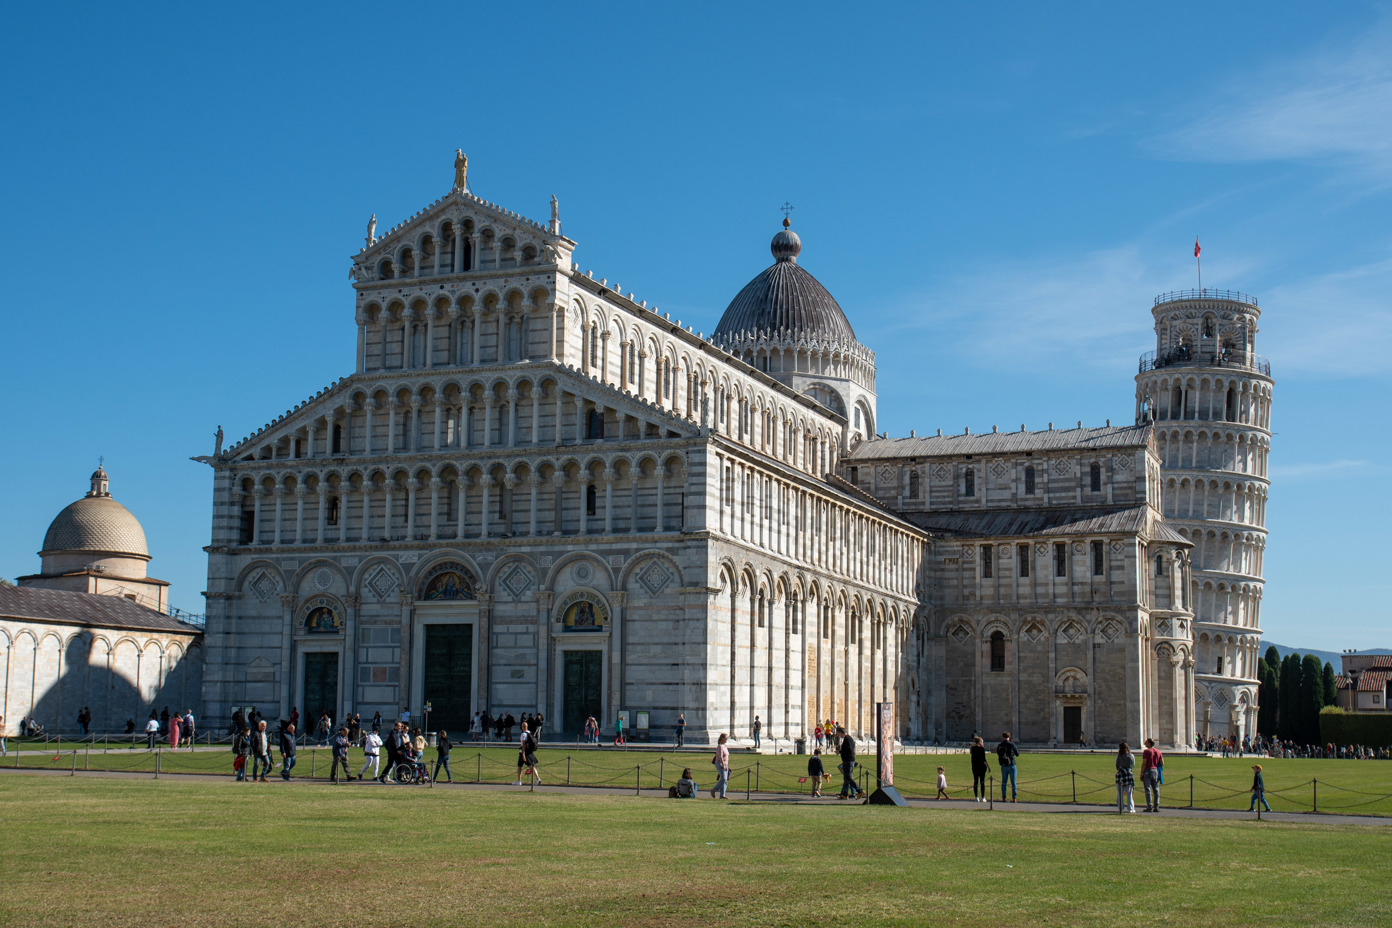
88,851
1359,787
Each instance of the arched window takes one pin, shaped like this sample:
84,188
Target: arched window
969,482
1029,480
333,510
1022,560
666,379
857,417
1098,562
594,345
337,439
590,496
1095,477
988,564
997,652
1060,559
913,483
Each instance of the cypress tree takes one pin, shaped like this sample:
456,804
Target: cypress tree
1273,659
1266,699
1311,698
1331,686
1288,687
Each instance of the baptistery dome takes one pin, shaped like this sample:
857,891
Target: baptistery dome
785,301
96,523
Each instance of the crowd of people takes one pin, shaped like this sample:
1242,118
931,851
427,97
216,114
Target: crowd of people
1264,746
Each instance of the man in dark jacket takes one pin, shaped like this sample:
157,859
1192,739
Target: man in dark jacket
848,763
340,754
395,741
1006,752
287,751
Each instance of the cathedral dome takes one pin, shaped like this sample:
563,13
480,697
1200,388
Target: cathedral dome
96,523
785,299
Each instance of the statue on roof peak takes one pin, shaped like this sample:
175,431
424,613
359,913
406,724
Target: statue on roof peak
461,168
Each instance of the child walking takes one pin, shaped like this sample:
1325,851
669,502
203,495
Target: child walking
942,784
815,772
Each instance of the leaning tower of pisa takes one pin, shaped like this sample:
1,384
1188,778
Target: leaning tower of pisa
1209,395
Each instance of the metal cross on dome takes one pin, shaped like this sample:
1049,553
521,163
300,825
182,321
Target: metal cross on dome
787,208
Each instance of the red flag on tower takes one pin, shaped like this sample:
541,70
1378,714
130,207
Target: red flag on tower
1196,247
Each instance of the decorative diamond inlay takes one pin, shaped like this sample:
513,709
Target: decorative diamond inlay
1121,463
886,475
1221,699
1109,631
382,583
1070,631
654,578
1061,467
263,586
517,581
940,472
1162,628
960,634
999,469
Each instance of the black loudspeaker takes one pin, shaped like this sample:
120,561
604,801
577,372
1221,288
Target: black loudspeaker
887,796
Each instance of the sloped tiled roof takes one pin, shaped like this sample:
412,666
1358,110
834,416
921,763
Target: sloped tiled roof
1007,523
1084,439
87,609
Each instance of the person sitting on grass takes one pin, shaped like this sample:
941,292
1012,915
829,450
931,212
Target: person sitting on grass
686,787
815,771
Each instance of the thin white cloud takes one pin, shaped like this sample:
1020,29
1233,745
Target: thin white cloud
1333,106
1332,325
1325,470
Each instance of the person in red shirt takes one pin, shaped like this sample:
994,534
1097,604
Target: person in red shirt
1151,759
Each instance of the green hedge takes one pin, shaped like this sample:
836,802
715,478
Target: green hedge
1373,729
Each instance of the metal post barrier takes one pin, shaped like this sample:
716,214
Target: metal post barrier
661,770
746,784
638,775
567,770
1314,785
1074,775
756,776
991,794
312,757
478,767
74,764
1191,791
86,757
157,762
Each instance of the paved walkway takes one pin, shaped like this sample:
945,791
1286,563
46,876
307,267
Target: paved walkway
1306,818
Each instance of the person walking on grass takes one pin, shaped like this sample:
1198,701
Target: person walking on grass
287,751
721,760
442,753
942,784
1258,789
396,740
979,768
340,744
1006,752
241,749
848,765
816,772
526,758
1125,779
372,747
1151,761
261,753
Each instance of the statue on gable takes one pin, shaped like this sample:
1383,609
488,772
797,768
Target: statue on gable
555,216
217,443
461,168
372,229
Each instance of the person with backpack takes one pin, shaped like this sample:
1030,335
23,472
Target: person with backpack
815,771
1006,752
241,750
848,765
442,753
686,786
526,758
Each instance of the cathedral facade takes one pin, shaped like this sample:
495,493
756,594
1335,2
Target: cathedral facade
535,493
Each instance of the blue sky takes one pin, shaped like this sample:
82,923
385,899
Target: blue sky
995,195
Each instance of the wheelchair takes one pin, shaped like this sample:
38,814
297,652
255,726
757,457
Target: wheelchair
407,773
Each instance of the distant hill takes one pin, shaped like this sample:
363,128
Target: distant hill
1328,657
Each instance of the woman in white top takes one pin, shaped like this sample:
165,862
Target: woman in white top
722,766
526,758
372,746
